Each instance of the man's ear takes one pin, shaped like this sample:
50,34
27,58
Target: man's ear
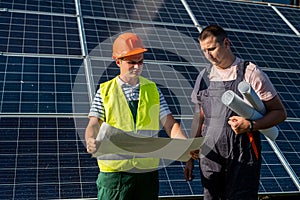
227,42
118,62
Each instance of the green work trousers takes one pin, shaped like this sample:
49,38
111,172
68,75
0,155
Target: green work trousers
128,186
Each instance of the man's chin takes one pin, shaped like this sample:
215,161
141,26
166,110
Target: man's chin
214,62
135,74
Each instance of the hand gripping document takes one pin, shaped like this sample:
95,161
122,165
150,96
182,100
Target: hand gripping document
252,109
116,141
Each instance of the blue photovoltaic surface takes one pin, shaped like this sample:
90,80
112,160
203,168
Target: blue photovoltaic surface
292,15
169,11
288,87
52,6
41,85
239,15
46,159
47,84
267,50
39,34
288,143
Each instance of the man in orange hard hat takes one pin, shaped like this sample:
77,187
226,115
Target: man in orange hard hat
131,103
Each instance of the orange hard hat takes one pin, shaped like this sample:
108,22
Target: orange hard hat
127,44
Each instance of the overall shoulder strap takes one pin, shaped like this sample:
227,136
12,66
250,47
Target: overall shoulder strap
204,80
246,63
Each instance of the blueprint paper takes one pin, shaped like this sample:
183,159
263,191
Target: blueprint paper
116,141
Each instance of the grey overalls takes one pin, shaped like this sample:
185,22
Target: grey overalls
229,167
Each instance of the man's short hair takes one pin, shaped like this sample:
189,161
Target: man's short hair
213,30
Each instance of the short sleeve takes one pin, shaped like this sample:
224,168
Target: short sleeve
164,108
97,108
260,82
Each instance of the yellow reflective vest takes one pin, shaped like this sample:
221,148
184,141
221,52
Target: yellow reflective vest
118,114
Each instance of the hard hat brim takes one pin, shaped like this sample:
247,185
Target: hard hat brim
131,53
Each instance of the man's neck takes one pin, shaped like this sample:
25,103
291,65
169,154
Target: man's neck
228,62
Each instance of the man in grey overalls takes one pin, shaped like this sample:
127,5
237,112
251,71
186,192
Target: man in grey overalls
230,159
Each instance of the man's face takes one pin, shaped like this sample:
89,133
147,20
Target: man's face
131,66
215,52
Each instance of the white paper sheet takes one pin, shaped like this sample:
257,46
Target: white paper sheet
115,141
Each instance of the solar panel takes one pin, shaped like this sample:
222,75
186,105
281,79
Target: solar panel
287,85
42,85
292,15
45,158
52,6
39,34
239,15
169,11
268,50
288,142
50,68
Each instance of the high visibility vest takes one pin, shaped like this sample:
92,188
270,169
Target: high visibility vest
118,114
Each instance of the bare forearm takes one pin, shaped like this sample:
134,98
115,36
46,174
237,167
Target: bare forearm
197,122
269,120
176,132
276,114
91,132
172,127
92,129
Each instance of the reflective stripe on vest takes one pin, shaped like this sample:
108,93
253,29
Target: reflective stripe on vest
118,114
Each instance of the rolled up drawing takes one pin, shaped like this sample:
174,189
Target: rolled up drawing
240,107
250,96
